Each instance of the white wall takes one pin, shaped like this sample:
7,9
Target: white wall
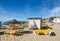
37,22
56,20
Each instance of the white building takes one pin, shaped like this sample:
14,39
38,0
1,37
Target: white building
35,22
56,20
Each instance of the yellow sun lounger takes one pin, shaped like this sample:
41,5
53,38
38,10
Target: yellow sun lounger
42,31
11,31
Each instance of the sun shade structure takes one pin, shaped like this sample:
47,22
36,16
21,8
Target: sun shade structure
35,23
14,21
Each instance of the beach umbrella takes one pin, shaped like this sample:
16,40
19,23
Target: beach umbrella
14,21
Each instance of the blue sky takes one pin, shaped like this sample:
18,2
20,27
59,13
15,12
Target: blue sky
23,9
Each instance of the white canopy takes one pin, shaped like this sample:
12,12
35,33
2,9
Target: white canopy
36,22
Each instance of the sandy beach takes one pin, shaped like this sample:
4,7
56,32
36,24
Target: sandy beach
33,37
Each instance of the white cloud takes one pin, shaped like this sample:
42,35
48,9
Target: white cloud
55,11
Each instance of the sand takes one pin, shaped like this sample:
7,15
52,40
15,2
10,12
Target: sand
33,37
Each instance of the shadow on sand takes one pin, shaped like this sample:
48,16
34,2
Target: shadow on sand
1,33
18,34
22,33
27,32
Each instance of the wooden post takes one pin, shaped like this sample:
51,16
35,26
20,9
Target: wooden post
41,23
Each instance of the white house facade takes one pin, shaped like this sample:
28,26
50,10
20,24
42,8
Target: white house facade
56,20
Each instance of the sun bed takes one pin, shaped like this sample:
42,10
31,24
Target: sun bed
42,31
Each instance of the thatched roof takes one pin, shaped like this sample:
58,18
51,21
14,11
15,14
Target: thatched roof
14,21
